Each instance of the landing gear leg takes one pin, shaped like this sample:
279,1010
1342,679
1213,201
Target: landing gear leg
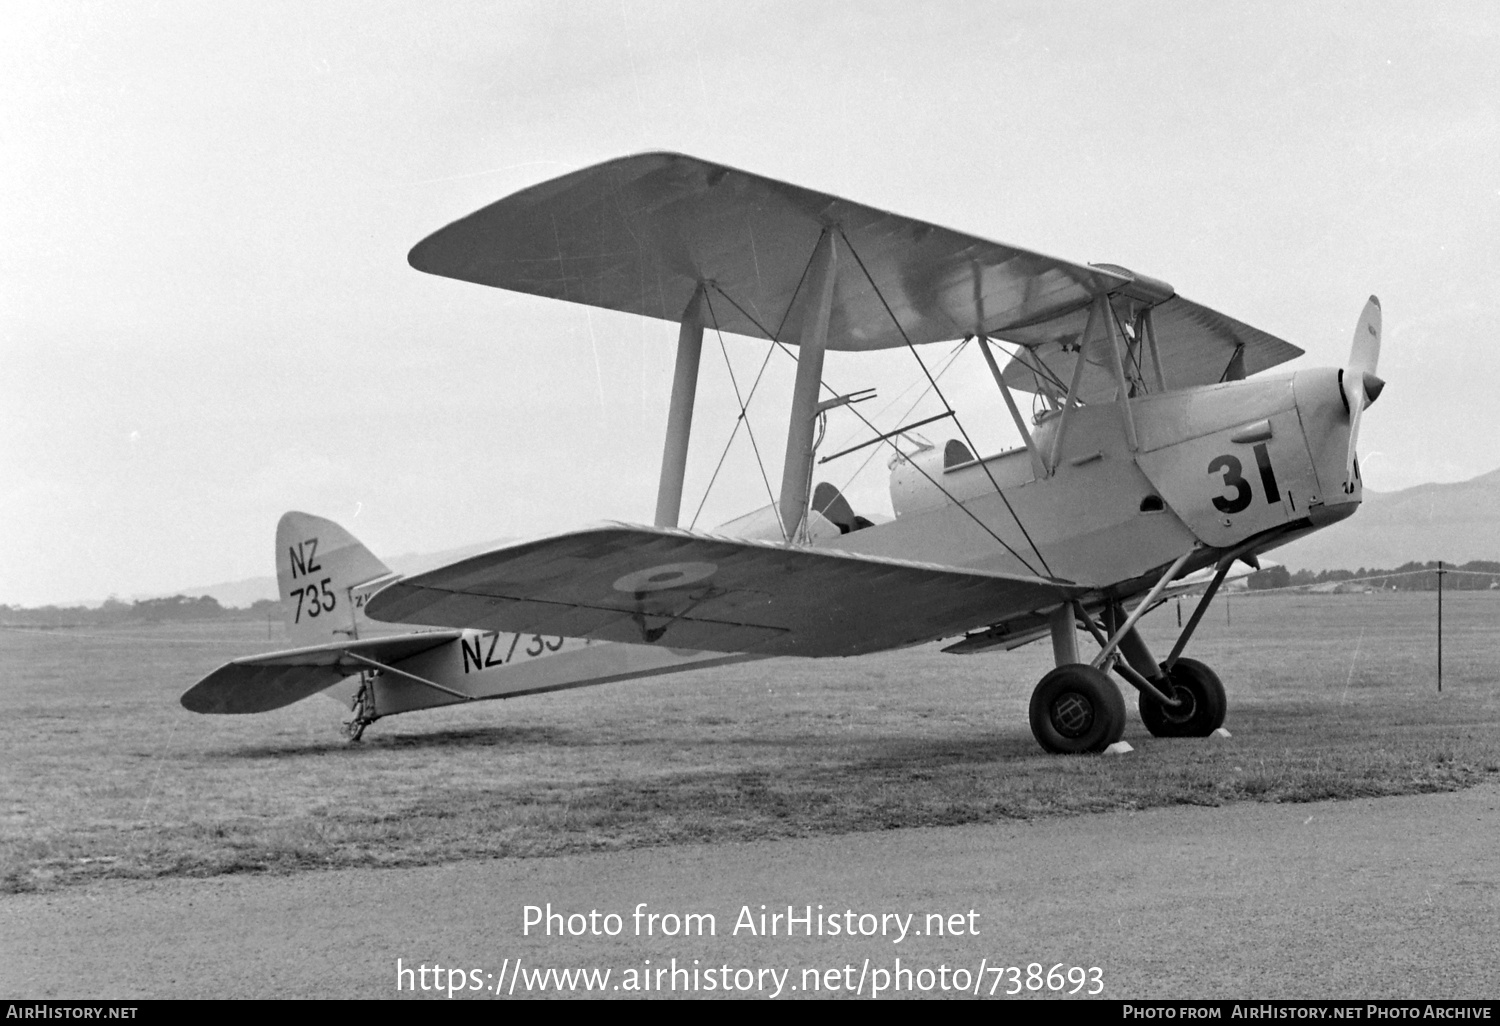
1179,697
1076,708
363,708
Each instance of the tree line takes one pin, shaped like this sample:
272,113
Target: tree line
176,608
1475,575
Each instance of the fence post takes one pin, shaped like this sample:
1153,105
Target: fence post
1440,572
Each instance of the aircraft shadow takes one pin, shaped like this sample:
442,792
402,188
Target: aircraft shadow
477,737
882,753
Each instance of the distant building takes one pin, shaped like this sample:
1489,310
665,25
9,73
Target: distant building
1341,588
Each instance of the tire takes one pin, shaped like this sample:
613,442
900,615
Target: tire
1206,703
1077,709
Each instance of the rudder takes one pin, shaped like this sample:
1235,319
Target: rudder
321,573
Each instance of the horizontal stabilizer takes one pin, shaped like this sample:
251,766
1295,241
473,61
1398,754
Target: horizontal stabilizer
648,585
260,683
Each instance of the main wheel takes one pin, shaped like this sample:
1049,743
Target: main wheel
1203,703
1076,709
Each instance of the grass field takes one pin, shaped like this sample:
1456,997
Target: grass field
105,775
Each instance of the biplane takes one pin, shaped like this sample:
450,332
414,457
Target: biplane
1156,447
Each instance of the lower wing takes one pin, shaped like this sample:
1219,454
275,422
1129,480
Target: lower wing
646,585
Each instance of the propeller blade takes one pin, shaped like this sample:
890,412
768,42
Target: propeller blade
1364,355
1358,381
1356,410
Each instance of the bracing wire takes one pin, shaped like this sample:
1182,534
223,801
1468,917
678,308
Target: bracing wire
743,417
1132,353
717,467
954,499
1043,371
959,424
890,403
1017,358
917,466
952,358
745,403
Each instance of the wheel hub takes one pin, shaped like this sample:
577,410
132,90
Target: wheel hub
1072,714
1184,711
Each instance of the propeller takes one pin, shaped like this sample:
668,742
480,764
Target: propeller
1358,382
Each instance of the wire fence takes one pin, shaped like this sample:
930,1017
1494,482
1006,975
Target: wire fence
1437,573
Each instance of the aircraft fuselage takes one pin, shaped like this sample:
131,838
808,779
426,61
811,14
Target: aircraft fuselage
1216,466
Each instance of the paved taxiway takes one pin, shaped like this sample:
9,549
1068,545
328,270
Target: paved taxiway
1389,898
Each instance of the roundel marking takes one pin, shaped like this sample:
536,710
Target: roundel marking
667,575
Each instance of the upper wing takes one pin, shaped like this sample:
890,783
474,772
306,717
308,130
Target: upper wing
1197,346
260,683
639,233
696,591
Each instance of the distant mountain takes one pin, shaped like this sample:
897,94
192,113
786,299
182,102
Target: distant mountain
252,589
1456,522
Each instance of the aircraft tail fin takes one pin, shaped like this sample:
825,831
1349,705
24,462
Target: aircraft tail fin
324,576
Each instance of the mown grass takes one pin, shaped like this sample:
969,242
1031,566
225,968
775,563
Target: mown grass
105,775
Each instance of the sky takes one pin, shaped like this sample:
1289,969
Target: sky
207,318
